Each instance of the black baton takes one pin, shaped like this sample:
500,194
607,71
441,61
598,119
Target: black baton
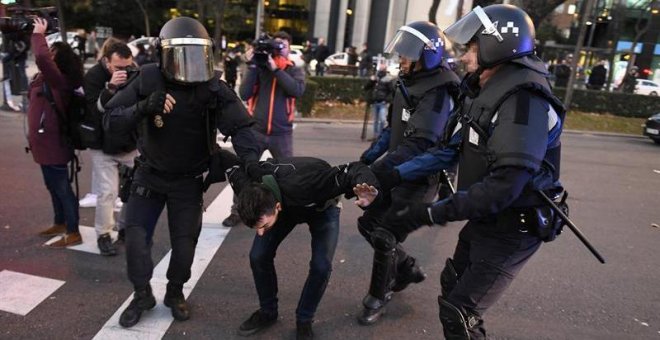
571,225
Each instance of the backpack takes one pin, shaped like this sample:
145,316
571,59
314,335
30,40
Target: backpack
72,123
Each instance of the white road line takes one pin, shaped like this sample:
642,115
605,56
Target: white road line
154,323
20,292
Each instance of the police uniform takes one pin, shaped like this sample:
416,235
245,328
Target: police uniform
175,149
419,113
509,149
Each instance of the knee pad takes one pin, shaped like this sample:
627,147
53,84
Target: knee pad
448,278
456,324
383,240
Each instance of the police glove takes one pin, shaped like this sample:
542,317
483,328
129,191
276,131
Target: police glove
388,179
152,105
219,162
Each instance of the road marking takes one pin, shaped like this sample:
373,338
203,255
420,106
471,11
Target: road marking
20,293
154,323
88,235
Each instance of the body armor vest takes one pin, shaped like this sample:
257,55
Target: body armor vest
421,123
477,115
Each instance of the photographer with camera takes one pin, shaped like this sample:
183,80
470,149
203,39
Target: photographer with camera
270,86
107,151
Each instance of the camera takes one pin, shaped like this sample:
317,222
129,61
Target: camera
264,46
22,19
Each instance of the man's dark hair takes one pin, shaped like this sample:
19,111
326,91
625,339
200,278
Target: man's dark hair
255,201
119,47
283,35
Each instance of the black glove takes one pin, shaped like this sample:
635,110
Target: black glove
219,162
152,105
406,219
388,179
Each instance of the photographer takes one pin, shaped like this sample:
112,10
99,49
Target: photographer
270,86
107,151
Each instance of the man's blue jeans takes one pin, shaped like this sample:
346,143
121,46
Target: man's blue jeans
380,115
324,228
65,203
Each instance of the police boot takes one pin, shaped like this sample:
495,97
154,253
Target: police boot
408,272
143,299
373,309
382,276
175,300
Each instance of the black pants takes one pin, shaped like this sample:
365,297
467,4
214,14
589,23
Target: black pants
183,197
487,261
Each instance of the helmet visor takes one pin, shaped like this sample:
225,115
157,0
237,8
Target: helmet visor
462,31
409,43
187,60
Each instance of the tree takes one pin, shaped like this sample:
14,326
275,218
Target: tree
433,11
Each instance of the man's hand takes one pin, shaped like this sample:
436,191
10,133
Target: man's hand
271,63
40,26
366,194
406,219
118,77
249,54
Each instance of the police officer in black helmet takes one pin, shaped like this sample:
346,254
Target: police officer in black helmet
175,108
419,112
508,131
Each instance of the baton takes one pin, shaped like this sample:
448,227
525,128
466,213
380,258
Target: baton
571,225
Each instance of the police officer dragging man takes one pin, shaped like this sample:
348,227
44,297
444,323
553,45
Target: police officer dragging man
175,108
506,139
275,196
420,109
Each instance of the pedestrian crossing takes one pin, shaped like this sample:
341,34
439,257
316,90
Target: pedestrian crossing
23,293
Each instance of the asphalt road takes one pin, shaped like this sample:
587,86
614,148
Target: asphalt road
563,293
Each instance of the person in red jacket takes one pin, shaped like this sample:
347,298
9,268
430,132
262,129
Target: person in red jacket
60,72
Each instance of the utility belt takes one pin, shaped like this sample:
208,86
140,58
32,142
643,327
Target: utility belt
142,164
540,221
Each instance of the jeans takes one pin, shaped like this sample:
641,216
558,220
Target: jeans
279,145
149,194
380,115
105,173
65,203
324,227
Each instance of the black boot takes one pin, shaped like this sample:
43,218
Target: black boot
304,330
408,272
374,308
143,300
258,321
177,302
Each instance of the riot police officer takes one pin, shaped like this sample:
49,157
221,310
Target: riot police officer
175,108
508,131
419,112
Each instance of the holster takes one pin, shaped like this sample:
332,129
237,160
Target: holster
540,221
126,181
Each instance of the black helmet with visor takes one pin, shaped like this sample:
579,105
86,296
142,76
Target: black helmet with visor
186,51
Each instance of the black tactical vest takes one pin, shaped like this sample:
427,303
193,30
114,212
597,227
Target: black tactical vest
476,115
421,123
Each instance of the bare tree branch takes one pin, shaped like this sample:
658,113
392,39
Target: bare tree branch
433,11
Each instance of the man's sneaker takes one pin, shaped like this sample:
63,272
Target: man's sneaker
67,240
89,201
304,331
258,320
407,273
105,245
56,229
142,300
232,220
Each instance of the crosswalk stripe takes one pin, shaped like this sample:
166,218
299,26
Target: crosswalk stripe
154,323
21,293
88,235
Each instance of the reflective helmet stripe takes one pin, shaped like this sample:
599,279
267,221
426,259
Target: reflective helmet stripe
490,28
419,35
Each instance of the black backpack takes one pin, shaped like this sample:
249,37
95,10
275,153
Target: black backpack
72,123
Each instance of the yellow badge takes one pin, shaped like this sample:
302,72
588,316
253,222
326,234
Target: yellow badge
158,121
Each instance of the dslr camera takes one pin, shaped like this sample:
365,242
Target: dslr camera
21,19
264,46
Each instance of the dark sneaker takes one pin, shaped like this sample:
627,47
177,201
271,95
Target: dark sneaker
232,221
105,245
304,331
409,272
177,303
258,321
142,300
56,229
373,310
